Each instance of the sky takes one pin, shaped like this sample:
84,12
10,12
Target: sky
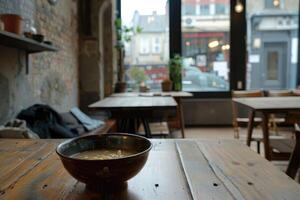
144,7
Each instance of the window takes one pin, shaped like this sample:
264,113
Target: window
206,48
272,4
221,9
145,46
272,65
272,46
204,9
156,45
149,55
189,9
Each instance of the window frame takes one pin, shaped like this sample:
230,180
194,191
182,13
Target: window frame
238,46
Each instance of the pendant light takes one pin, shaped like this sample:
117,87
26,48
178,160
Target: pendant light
276,3
238,6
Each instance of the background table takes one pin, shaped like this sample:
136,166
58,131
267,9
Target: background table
267,106
177,122
130,109
176,169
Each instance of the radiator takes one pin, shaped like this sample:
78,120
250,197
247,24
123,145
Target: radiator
207,111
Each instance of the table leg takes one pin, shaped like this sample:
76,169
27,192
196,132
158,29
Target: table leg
250,126
181,118
121,125
132,126
146,128
294,163
265,127
126,126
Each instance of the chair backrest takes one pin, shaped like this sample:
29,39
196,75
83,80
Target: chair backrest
280,93
240,94
247,93
235,111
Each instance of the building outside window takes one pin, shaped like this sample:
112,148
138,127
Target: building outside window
206,47
272,44
149,50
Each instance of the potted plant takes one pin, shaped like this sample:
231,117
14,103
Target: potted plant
137,74
124,35
166,85
175,72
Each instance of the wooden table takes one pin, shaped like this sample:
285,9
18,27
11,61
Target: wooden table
176,169
128,110
267,106
177,95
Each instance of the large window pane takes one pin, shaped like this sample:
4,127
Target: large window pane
147,54
272,40
205,45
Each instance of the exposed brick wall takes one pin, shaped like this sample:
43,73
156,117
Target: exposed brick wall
53,77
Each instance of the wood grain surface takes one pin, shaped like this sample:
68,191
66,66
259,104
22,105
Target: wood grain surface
153,94
138,102
175,170
270,103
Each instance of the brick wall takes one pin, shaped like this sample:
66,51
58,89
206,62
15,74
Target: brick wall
53,77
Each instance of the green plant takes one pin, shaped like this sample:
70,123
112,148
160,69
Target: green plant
175,69
124,34
137,74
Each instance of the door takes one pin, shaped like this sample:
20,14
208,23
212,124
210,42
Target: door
274,69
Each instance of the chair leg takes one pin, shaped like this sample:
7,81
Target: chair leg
294,162
236,133
258,146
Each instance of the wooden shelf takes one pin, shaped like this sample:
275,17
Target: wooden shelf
26,44
21,42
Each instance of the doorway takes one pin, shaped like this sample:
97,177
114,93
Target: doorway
274,69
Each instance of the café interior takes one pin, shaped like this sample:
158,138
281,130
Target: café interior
160,99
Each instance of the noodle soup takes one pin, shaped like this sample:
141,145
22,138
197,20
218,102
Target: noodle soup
103,154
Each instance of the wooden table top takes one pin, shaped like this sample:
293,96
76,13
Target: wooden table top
136,103
151,94
270,103
176,169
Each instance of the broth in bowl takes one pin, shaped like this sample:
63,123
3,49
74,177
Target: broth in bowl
103,154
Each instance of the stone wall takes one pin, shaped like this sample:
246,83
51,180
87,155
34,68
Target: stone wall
53,77
97,54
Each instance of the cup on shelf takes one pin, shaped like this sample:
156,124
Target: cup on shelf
12,23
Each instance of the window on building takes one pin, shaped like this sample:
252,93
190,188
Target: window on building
204,9
144,46
189,9
221,9
156,46
273,4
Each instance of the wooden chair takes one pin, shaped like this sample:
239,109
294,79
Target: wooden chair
275,120
240,121
280,93
294,162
